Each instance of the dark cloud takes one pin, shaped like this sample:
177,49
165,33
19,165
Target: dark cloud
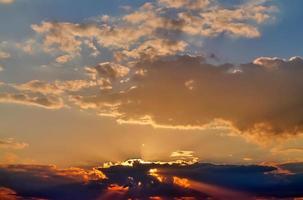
49,182
259,99
142,180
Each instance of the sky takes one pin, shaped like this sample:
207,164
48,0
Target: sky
180,85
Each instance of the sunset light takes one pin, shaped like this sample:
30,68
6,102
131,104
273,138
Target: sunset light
151,99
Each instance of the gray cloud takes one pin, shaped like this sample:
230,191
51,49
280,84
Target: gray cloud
39,100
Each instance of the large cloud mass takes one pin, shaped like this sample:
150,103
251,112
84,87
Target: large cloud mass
264,97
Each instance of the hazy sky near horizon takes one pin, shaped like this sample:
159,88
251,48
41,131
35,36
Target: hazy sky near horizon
84,82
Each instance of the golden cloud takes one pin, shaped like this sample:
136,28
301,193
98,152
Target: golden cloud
252,100
43,101
152,30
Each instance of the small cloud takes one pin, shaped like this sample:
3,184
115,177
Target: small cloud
44,101
6,1
11,143
182,154
28,46
4,55
190,84
247,159
64,59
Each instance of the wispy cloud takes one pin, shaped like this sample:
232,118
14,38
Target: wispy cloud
11,143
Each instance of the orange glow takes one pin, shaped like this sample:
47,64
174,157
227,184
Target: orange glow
132,162
155,173
216,191
155,198
86,175
182,182
117,188
8,194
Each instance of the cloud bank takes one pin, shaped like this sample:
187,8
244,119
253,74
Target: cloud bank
147,180
261,98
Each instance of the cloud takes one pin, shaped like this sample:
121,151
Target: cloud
56,87
143,180
191,4
48,181
158,28
29,46
182,154
152,81
107,70
8,194
12,144
43,101
155,48
69,38
4,55
63,59
6,1
249,98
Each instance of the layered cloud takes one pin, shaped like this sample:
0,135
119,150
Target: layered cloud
48,95
39,100
147,180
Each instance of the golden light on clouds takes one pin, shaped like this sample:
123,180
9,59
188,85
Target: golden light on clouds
157,99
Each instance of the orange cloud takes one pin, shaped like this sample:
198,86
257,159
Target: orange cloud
8,194
246,101
63,59
10,143
182,182
50,172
